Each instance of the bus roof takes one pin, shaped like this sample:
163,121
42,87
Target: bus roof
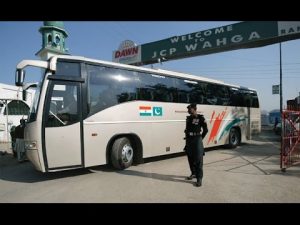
53,61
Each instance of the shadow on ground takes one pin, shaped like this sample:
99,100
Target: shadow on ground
12,170
157,176
263,146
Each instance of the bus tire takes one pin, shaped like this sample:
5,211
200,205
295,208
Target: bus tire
234,138
122,153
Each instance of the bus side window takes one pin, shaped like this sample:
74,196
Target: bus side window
161,93
223,96
211,94
183,97
255,103
234,97
183,88
146,94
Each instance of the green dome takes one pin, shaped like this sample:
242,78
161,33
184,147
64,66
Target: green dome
58,24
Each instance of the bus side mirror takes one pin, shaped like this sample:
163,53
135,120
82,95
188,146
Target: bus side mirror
20,76
26,87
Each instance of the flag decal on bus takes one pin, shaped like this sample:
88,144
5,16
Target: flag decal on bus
150,111
157,111
145,111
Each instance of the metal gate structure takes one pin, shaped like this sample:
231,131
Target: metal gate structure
290,138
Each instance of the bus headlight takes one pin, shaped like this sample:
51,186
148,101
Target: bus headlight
2,127
31,145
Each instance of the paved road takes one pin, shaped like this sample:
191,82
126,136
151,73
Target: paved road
250,173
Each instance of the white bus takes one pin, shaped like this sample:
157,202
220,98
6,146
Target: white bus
89,112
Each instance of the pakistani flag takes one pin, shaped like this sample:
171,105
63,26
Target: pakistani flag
157,111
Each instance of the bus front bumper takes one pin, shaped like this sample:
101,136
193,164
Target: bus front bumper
33,157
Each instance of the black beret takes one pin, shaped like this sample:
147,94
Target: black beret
192,105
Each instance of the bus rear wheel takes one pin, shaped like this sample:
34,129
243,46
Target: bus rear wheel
234,138
122,153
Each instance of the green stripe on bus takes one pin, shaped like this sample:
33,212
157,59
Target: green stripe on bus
145,114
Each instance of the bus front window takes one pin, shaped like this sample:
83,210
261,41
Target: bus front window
34,105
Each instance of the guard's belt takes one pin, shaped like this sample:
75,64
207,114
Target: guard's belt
194,133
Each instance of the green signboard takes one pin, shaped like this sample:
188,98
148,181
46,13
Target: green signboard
275,89
248,34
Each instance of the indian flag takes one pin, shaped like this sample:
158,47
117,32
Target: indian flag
145,111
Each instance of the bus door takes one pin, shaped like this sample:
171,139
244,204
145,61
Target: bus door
248,118
249,123
62,126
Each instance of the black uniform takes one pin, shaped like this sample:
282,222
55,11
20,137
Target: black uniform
19,132
196,129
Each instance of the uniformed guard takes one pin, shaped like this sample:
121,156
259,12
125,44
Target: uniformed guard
196,129
20,146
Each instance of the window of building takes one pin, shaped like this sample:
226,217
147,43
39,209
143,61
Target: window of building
49,39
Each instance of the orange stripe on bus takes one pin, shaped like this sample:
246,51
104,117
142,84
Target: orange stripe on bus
212,116
216,126
145,107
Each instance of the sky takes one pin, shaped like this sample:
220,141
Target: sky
257,68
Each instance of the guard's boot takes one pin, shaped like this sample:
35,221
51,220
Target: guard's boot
199,183
190,177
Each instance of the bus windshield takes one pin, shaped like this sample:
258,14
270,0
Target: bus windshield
33,108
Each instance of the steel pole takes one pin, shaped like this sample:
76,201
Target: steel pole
280,86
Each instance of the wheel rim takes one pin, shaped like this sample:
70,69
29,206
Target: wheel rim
127,153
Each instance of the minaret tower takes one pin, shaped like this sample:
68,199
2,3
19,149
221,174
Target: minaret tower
54,36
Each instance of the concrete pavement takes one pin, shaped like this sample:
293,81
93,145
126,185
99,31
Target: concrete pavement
247,174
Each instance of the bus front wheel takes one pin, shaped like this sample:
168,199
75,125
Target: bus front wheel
234,138
122,153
